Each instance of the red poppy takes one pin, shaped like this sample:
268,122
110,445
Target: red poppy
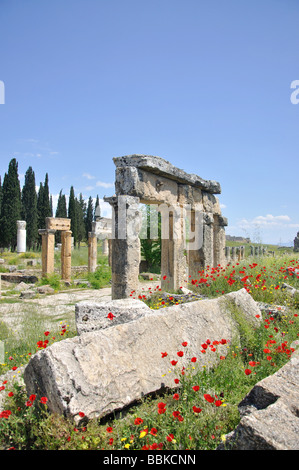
109,429
138,421
196,410
208,398
180,353
173,363
164,354
170,437
184,344
218,402
193,359
195,388
176,396
44,400
110,316
247,371
81,414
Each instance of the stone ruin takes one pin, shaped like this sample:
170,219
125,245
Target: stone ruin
183,200
296,243
48,246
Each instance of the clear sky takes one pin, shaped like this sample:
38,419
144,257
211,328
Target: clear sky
205,84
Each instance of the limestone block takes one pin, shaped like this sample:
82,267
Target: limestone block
269,413
211,203
102,371
161,167
58,223
91,316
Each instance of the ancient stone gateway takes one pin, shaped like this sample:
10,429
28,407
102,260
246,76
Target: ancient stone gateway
48,244
193,233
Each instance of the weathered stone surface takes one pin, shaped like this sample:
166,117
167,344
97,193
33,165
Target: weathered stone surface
103,371
162,167
19,277
94,316
270,413
27,294
45,290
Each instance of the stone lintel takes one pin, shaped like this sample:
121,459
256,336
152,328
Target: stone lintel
57,223
159,166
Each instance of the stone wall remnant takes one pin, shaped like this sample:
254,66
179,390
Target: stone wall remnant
48,246
184,200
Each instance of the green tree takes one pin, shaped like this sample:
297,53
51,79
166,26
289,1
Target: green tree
61,212
29,208
81,211
0,194
72,214
11,206
89,217
151,248
40,205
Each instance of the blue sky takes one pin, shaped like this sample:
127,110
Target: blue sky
203,84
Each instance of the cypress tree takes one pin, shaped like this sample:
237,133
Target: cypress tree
0,194
89,217
29,208
72,214
11,206
47,212
61,211
80,208
40,205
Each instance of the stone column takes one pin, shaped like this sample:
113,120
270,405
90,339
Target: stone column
173,260
219,241
92,252
125,245
105,247
48,240
21,236
66,255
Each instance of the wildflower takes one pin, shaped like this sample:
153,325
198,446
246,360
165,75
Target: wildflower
32,398
218,402
109,429
81,414
184,344
193,359
208,398
138,421
110,316
247,371
176,396
195,388
10,394
44,400
170,437
173,363
164,354
153,431
180,353
196,410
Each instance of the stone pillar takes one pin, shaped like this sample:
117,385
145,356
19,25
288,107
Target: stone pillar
125,245
21,236
173,260
220,223
92,252
48,240
227,253
66,255
234,255
105,247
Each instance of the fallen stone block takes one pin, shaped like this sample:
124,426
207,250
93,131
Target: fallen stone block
103,371
91,316
270,413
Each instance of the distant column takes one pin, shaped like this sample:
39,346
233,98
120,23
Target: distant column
48,238
21,236
92,252
66,254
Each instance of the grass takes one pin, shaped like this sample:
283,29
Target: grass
203,405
